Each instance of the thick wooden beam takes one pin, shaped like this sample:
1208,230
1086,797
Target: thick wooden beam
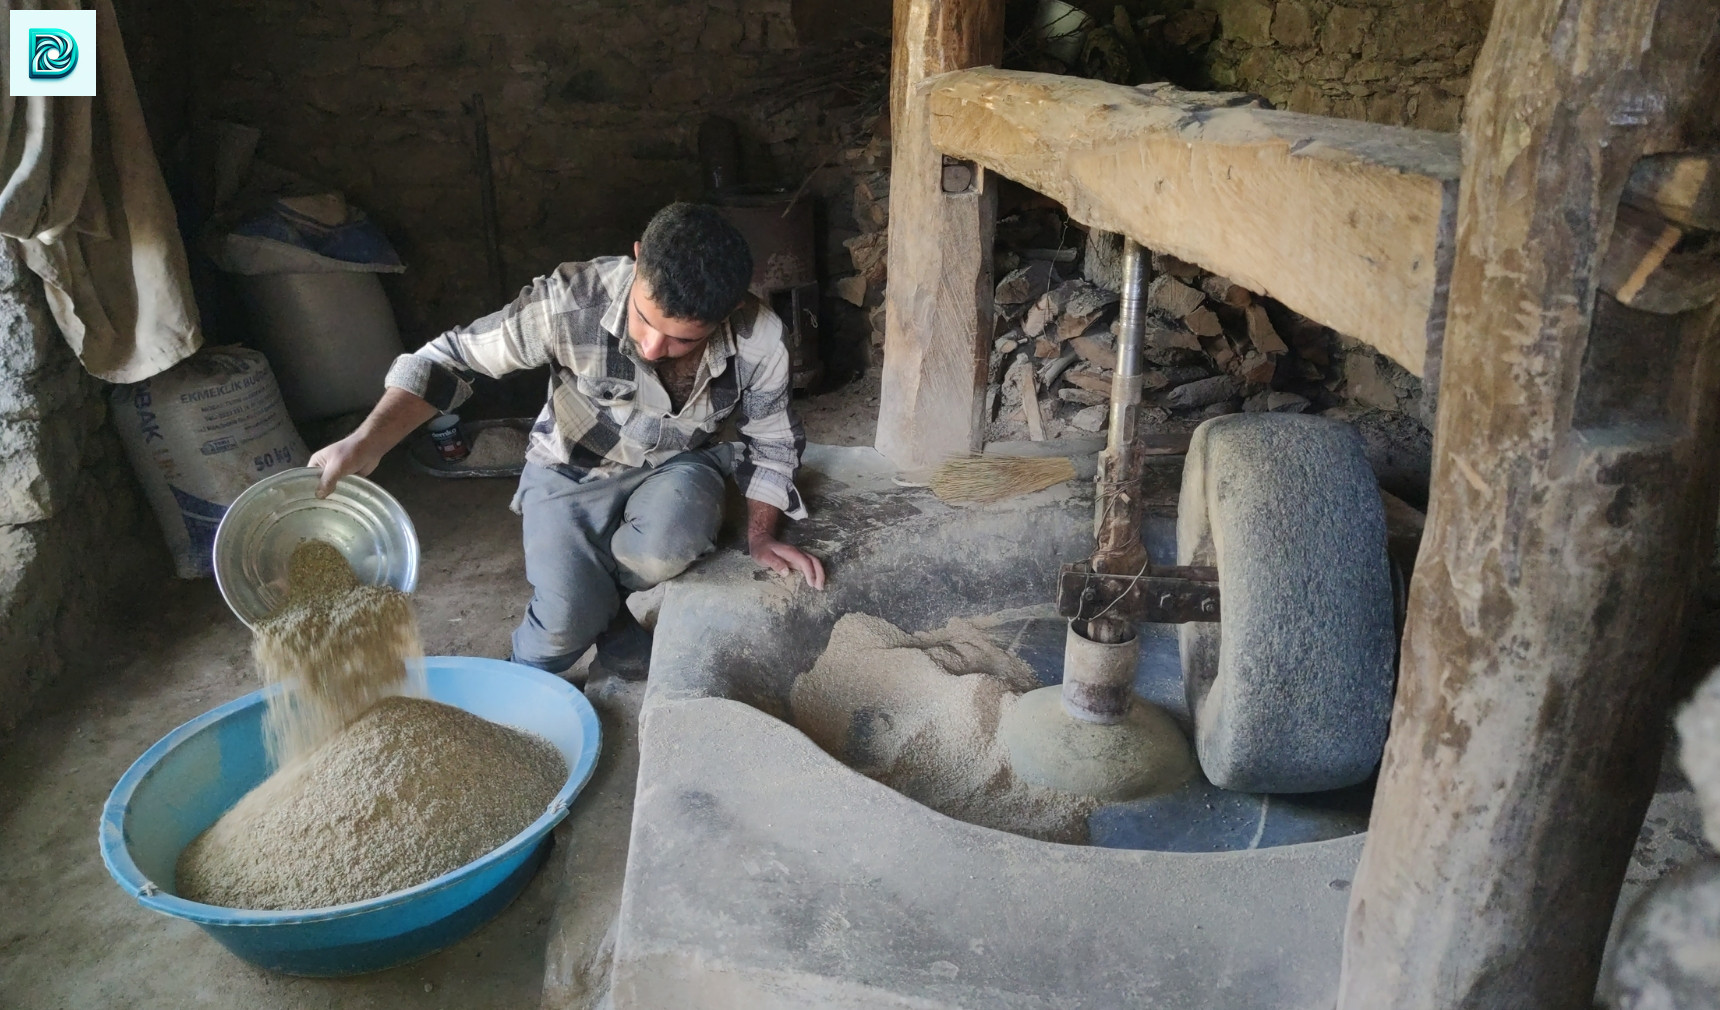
938,312
1574,485
1348,223
1683,188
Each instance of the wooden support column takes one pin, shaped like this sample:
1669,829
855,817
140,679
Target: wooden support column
1574,485
938,312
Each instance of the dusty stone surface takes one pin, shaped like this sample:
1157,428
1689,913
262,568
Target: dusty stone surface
764,874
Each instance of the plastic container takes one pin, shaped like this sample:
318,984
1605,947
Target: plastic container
330,335
196,773
256,539
445,435
198,435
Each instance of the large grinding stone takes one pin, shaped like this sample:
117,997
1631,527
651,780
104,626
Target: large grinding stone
1291,692
1143,755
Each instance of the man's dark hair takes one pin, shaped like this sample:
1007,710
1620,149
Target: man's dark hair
695,262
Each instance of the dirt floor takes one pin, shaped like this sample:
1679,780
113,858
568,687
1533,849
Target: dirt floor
71,939
845,416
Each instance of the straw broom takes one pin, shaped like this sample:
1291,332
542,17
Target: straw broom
1008,469
981,480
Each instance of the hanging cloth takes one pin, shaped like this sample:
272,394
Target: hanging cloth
85,200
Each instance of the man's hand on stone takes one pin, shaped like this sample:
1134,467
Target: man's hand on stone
782,559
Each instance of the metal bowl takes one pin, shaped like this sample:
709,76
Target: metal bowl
264,525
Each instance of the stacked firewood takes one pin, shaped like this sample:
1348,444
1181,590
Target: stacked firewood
1211,348
869,165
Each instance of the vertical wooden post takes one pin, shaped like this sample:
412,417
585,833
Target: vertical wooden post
938,304
1575,468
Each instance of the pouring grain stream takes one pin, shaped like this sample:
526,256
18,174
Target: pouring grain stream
335,648
373,793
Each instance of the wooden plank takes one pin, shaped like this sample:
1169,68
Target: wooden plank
1574,489
1683,188
1651,266
938,312
1030,400
1346,222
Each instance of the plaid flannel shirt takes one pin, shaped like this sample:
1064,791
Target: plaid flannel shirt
607,411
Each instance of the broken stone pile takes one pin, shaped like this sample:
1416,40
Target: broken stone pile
1211,348
869,164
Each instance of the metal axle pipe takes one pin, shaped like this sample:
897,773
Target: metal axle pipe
1087,693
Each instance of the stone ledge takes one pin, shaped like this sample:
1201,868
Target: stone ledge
761,867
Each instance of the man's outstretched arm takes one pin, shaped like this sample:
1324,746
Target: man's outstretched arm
392,419
438,376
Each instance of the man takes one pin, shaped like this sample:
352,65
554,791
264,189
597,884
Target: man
622,485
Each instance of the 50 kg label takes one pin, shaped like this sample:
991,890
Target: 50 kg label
279,456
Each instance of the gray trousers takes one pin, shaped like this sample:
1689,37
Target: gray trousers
584,543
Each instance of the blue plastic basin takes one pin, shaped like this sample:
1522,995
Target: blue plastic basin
196,773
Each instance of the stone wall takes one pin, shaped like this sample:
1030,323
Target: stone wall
1384,61
593,109
73,528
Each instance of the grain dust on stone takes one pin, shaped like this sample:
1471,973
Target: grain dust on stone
920,712
411,790
336,647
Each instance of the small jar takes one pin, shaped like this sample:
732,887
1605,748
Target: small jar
445,432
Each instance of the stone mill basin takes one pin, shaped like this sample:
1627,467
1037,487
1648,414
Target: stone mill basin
765,873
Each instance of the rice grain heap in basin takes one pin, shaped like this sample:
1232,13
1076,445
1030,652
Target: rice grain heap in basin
410,791
336,647
500,446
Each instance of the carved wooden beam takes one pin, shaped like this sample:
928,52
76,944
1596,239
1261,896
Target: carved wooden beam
1348,223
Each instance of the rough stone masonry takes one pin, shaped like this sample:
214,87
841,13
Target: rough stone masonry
1402,64
73,528
593,109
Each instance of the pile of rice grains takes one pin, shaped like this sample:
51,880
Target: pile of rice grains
377,788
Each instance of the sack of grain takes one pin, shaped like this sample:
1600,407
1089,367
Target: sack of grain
200,433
